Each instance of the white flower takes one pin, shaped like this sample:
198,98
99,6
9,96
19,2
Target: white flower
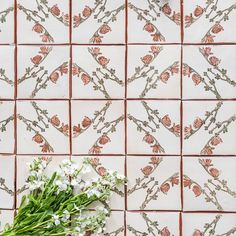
56,219
66,216
61,185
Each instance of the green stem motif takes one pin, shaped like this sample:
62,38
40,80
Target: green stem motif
3,187
115,232
4,78
4,13
5,122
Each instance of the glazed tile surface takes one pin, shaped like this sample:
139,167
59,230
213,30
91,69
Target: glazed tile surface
143,87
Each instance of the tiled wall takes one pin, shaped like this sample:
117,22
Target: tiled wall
145,87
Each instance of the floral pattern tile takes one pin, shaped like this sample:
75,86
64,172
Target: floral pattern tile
100,166
41,21
45,129
209,224
154,71
208,128
7,132
6,217
22,171
7,11
209,21
156,125
208,72
211,187
98,22
7,186
103,76
152,21
7,72
154,183
37,77
98,127
152,223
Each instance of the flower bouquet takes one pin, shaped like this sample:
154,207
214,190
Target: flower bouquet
61,204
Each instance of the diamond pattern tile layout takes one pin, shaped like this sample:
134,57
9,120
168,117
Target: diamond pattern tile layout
144,87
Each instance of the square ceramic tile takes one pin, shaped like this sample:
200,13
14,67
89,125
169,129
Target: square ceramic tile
151,21
153,183
7,132
208,224
7,176
98,127
211,186
209,21
6,217
98,72
43,127
153,127
22,172
7,72
100,165
98,21
154,71
208,128
40,21
209,72
152,223
37,77
7,21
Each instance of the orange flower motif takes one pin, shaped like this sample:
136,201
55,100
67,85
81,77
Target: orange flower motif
189,19
166,120
174,69
165,232
63,69
165,76
166,9
176,17
157,37
165,188
46,148
186,70
36,59
197,190
55,10
206,162
196,79
86,122
207,51
103,61
175,129
147,59
87,11
155,49
155,160
95,150
104,139
214,172
216,140
102,171
38,28
174,180
148,138
214,61
77,20
66,18
94,161
208,39
198,11
198,122
65,128
75,70
95,51
188,130
147,170
46,38
197,233
104,29
157,149
149,27
217,28
55,120
187,182
54,77
97,39
76,129
85,78
38,138
44,50
207,150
